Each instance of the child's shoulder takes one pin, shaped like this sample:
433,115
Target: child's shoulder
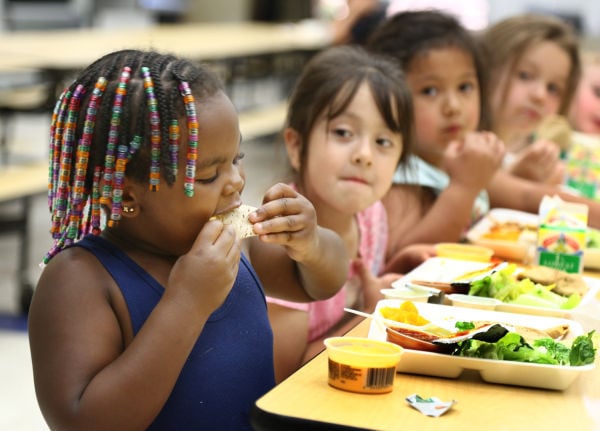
409,198
76,283
73,265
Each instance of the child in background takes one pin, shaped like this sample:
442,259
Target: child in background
443,191
350,21
348,126
534,69
584,113
158,320
534,61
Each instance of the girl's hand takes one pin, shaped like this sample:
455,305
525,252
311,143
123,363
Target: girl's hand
289,219
371,284
539,162
475,160
205,274
409,257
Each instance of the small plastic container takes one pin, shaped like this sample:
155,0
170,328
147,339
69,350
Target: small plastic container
362,365
407,294
464,251
471,301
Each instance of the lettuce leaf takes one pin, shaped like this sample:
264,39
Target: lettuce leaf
512,347
582,350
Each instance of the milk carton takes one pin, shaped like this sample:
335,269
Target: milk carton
561,234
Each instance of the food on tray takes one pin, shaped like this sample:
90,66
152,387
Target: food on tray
509,286
513,235
415,340
531,334
500,341
558,332
405,313
470,276
462,282
565,283
446,287
418,327
510,231
506,372
238,218
512,347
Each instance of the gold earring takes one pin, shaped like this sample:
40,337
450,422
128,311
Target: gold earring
128,210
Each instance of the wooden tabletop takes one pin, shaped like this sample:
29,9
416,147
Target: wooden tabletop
305,401
19,181
72,49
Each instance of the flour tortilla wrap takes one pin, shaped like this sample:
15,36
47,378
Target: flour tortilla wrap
238,218
556,128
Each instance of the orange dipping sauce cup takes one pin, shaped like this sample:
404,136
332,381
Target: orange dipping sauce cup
362,365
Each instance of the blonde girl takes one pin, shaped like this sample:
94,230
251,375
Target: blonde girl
534,67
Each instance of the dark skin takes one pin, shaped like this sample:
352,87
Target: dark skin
90,372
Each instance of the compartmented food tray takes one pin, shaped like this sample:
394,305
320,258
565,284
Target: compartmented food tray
543,376
440,269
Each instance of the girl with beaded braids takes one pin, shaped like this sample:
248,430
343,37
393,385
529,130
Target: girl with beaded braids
149,313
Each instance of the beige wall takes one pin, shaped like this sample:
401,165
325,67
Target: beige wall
219,10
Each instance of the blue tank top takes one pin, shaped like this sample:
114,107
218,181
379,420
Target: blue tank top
231,364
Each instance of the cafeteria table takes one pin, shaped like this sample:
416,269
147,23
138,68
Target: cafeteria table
305,401
238,51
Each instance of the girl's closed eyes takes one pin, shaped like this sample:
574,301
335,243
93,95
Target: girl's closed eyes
208,178
239,158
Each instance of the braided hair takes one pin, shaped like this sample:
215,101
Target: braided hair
120,117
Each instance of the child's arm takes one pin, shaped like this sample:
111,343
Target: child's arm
90,372
470,165
408,258
294,257
507,191
539,162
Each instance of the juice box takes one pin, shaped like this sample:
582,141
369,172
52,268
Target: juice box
562,234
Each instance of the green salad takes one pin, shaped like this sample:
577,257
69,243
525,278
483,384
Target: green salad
512,347
503,285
